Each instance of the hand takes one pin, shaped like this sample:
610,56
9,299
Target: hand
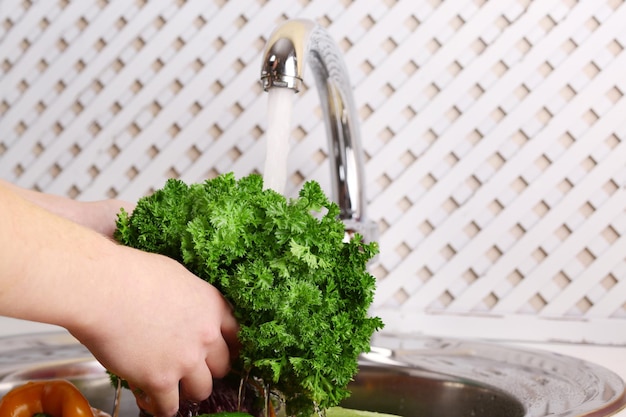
97,215
144,316
166,329
101,215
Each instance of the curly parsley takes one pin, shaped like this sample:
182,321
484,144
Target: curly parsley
301,294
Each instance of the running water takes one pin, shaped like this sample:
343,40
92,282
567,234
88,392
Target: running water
280,103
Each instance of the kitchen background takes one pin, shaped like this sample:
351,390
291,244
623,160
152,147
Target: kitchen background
494,133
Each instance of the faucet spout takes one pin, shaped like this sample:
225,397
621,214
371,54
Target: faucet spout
292,45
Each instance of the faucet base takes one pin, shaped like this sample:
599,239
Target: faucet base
367,229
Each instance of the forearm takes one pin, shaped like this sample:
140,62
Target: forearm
47,262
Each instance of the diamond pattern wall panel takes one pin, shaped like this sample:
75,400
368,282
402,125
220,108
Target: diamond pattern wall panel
494,136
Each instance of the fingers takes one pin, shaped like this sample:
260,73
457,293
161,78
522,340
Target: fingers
217,359
208,357
142,400
158,404
197,385
229,329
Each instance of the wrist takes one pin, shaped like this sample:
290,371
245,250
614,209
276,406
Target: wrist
99,285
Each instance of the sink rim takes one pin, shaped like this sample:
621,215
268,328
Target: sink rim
524,374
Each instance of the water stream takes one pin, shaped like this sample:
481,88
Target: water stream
280,103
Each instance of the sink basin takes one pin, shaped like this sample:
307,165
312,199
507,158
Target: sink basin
411,377
407,392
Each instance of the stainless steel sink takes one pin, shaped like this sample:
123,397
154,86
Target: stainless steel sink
411,377
410,392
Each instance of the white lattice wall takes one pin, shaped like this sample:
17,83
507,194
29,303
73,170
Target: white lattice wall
495,137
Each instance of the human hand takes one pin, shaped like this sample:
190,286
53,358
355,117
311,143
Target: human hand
144,316
95,215
166,330
101,215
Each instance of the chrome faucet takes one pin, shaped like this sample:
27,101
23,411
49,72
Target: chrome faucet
290,46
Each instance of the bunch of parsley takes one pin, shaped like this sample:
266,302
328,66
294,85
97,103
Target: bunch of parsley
300,292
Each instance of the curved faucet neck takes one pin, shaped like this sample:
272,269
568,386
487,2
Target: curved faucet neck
289,47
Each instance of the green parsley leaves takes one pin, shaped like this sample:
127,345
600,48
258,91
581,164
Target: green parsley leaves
300,293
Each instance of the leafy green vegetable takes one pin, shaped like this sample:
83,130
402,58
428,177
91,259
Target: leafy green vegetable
350,412
301,294
331,412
